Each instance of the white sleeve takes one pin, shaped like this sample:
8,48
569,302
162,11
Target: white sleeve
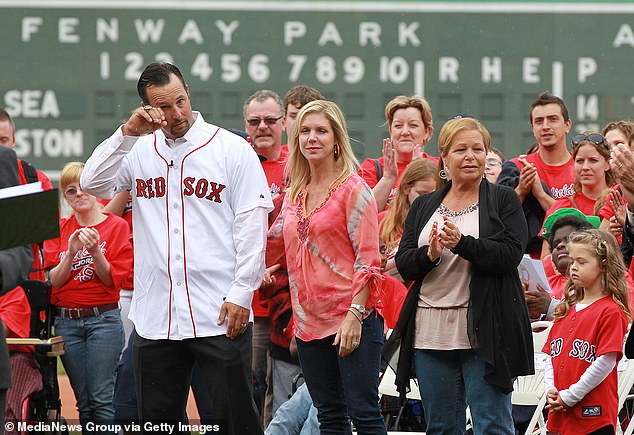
99,174
549,376
590,379
249,235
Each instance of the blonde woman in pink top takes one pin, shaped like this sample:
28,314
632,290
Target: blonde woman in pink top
328,231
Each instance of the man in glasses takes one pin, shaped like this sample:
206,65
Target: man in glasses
200,202
264,123
547,174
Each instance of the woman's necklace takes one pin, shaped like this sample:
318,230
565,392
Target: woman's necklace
303,219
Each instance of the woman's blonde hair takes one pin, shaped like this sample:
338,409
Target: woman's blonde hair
454,126
604,245
404,102
391,227
71,173
297,166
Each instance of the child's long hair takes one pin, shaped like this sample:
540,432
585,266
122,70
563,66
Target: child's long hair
391,227
607,250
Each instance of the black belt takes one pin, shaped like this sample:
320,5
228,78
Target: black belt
82,313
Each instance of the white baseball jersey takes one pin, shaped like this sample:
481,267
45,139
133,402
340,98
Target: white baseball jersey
189,254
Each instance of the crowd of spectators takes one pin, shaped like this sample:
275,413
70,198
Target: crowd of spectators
259,263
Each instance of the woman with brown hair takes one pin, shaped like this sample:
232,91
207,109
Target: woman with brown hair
410,126
593,180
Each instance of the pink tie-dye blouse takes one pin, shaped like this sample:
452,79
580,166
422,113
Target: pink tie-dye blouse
331,255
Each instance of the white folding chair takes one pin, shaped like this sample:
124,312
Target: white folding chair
387,387
626,381
529,390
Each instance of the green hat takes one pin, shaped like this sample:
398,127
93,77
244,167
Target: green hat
595,221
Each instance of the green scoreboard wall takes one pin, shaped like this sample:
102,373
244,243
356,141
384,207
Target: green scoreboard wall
69,68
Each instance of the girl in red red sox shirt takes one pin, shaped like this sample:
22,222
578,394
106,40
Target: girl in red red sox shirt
88,264
586,341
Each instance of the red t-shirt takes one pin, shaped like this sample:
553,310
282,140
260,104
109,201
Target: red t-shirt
128,283
367,171
274,171
84,288
559,179
579,201
15,312
393,293
574,342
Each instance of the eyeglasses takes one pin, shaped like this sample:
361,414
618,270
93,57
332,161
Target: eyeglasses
269,121
595,138
72,191
490,163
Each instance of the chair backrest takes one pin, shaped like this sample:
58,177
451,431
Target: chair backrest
541,329
37,292
387,385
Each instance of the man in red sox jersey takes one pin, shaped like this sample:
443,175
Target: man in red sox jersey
200,201
574,343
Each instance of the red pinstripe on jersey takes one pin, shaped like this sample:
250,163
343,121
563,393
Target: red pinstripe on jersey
169,240
191,313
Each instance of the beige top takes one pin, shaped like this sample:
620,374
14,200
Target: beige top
441,317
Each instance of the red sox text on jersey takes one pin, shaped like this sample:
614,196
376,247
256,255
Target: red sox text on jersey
580,349
202,188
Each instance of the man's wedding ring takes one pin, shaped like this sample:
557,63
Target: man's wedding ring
147,107
243,325
355,344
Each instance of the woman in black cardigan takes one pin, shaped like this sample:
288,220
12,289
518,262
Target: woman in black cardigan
464,324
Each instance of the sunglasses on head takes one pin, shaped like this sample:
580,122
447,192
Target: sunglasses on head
269,121
462,116
595,138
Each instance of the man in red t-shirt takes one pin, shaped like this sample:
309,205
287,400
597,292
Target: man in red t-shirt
27,174
264,122
547,174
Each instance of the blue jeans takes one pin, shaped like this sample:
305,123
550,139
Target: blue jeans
91,351
342,387
448,380
296,416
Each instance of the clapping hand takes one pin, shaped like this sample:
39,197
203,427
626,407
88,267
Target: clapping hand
450,235
618,207
528,177
89,238
389,159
